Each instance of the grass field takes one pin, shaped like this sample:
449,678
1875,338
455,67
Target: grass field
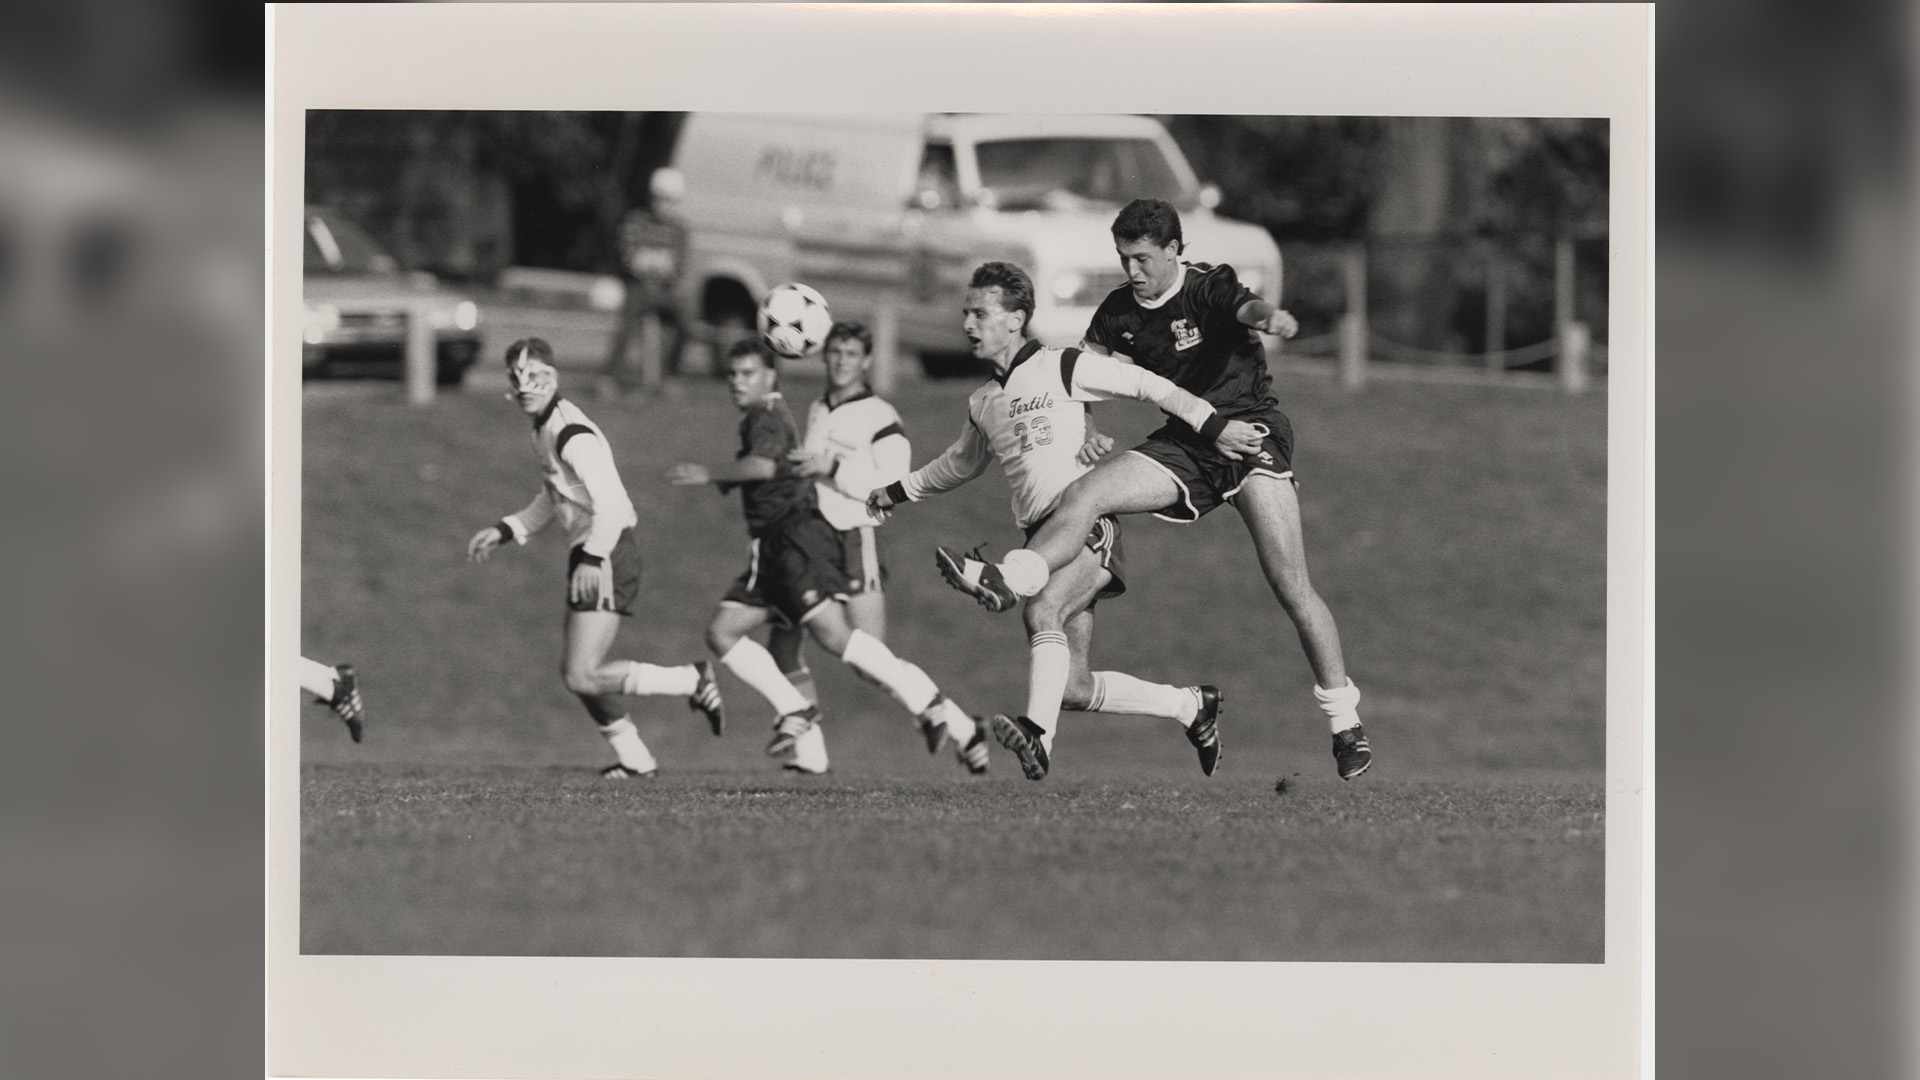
1457,533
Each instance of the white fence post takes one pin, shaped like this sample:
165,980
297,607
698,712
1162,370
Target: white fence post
1353,325
1574,341
421,373
886,346
1496,312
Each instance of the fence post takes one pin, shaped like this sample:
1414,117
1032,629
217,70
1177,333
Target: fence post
1496,312
420,355
1353,325
886,346
1574,340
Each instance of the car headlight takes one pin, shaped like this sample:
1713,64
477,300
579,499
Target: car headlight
466,315
1067,286
322,319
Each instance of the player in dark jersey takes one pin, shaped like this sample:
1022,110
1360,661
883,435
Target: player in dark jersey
1194,324
797,574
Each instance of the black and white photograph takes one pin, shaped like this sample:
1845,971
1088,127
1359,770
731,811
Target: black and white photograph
1151,534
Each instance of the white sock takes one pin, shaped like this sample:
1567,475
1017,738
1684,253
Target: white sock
1049,664
907,683
1025,571
1118,692
316,678
955,719
810,750
1342,706
756,667
625,740
648,679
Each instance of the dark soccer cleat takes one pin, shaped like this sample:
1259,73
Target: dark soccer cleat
974,575
974,754
1351,752
621,772
932,728
706,697
346,699
788,729
1022,736
1204,733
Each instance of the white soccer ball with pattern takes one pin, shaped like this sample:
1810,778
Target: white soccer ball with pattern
794,320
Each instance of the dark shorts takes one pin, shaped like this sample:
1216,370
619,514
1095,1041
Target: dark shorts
1103,541
860,555
794,568
625,562
1206,478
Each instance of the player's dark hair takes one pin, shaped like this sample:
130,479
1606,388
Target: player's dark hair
849,331
1148,219
753,346
1016,289
530,348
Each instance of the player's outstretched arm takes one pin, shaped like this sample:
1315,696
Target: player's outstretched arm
1100,378
751,467
965,459
1266,318
516,527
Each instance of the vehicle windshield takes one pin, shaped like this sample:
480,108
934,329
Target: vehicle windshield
1061,173
335,245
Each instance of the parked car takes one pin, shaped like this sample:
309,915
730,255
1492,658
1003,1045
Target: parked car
899,209
358,301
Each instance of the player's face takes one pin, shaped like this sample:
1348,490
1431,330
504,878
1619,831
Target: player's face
990,328
1150,267
847,363
750,380
534,384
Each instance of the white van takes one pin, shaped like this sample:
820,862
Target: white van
899,209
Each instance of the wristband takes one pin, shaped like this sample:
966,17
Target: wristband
898,493
1214,425
506,532
591,560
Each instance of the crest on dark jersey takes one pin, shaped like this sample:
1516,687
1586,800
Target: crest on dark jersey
1185,335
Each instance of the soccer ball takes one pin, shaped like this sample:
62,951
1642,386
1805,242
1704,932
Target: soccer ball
794,320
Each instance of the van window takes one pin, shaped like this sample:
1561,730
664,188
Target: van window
938,187
1057,173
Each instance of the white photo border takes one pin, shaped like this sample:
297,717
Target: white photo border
526,1017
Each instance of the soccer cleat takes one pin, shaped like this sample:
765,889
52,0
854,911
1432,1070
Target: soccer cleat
1023,737
1204,732
621,772
346,699
1351,752
974,575
932,728
788,729
794,767
974,754
706,697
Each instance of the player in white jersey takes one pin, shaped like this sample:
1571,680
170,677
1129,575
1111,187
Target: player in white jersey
854,443
584,494
1031,417
338,688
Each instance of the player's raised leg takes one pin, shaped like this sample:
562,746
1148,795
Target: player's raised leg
1124,484
809,750
903,680
1271,508
597,684
1195,708
727,636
